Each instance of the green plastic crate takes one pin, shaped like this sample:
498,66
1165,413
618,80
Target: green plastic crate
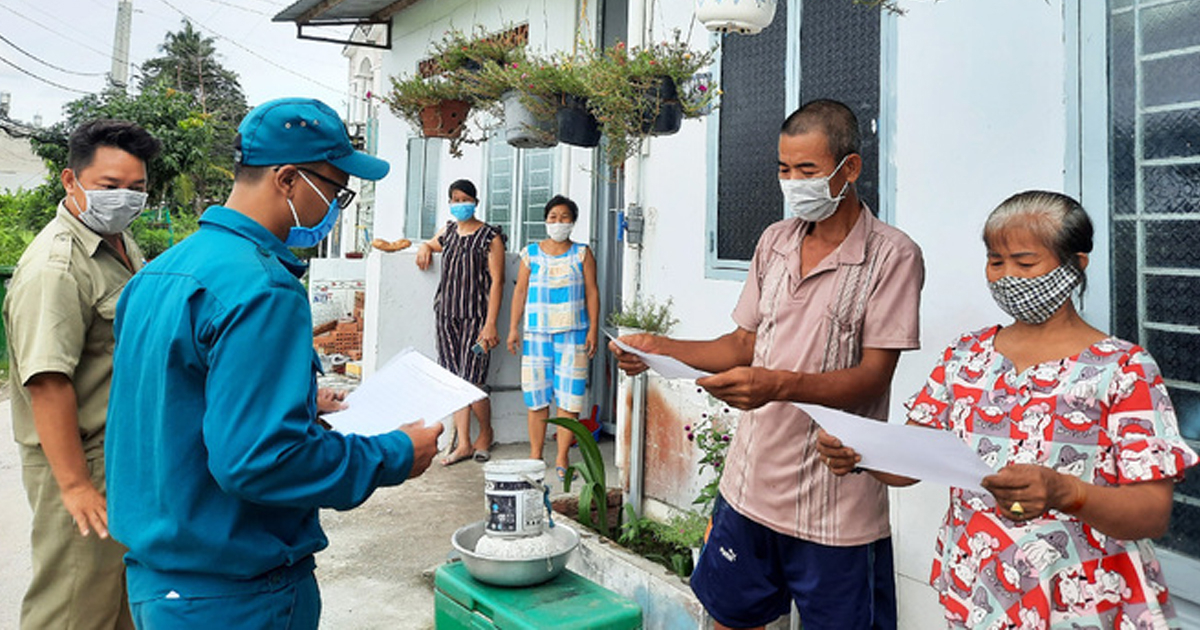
568,602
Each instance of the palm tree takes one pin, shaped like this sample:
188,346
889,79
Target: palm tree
189,64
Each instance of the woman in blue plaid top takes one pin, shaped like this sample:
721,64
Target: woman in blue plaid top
466,306
560,309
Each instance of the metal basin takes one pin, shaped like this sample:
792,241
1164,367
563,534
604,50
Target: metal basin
501,572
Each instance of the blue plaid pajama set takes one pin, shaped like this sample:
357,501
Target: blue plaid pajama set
554,361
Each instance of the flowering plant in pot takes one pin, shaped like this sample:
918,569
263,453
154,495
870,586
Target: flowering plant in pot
635,92
437,107
528,118
459,51
558,87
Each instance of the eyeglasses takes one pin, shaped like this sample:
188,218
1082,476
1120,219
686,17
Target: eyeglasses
344,195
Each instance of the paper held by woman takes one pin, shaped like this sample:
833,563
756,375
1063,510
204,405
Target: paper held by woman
913,451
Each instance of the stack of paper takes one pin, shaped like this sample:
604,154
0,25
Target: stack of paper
408,388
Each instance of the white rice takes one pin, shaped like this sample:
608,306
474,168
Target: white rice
541,546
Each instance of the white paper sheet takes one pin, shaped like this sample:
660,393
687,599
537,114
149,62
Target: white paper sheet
667,367
912,451
408,388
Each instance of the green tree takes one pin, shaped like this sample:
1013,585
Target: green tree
190,64
187,135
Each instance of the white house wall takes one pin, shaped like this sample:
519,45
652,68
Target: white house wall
551,27
400,300
980,114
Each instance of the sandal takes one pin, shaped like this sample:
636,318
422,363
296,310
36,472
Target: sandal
452,459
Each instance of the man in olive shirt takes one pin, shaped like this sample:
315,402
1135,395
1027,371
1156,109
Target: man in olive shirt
59,317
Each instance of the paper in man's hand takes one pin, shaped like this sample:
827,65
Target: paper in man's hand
667,367
408,388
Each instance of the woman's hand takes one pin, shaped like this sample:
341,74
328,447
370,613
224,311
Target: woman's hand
489,337
1026,491
424,256
514,340
593,342
840,459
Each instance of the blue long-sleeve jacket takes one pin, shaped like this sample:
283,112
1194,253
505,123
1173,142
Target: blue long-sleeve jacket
215,467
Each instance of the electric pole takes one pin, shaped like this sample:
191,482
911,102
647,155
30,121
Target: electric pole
119,76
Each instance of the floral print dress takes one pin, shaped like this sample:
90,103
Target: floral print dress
1102,415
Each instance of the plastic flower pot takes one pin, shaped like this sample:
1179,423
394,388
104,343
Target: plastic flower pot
524,130
735,16
445,119
663,114
576,125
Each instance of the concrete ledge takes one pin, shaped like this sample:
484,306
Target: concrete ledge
667,601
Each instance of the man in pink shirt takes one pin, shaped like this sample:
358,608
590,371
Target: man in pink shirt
830,301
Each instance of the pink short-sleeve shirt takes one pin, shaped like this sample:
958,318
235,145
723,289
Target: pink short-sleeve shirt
865,294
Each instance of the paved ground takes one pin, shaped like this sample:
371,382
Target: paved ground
376,571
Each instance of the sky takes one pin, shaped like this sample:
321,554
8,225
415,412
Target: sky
77,36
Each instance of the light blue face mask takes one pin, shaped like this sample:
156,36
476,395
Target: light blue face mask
462,211
303,237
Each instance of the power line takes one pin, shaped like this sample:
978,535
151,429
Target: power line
25,17
42,79
252,52
241,8
47,63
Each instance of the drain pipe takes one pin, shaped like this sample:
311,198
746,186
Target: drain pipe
632,280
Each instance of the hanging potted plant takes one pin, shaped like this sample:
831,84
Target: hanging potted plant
529,120
469,53
616,100
747,17
437,107
558,87
664,69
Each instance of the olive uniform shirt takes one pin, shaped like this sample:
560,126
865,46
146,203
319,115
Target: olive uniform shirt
59,318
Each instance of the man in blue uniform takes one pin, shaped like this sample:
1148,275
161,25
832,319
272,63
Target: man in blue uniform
216,464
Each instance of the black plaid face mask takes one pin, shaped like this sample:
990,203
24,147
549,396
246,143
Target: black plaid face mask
1034,300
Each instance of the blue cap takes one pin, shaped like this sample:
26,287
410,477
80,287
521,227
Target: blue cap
300,130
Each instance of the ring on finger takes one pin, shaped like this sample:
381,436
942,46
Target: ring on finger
1017,509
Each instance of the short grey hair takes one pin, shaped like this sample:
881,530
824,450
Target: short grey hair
1055,219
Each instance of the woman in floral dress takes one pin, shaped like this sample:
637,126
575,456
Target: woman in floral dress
1082,435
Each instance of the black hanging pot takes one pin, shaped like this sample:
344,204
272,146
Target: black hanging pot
576,125
662,113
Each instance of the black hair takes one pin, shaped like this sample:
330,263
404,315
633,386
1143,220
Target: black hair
833,119
119,134
1055,219
464,186
560,200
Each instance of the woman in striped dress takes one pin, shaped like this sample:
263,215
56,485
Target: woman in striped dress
466,306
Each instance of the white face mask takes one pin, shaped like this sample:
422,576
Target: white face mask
809,199
559,232
110,211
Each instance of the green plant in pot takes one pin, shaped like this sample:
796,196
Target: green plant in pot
616,100
559,87
528,118
459,51
435,106
644,315
674,62
593,494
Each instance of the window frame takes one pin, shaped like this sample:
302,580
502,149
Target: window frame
716,268
516,230
426,171
1087,175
